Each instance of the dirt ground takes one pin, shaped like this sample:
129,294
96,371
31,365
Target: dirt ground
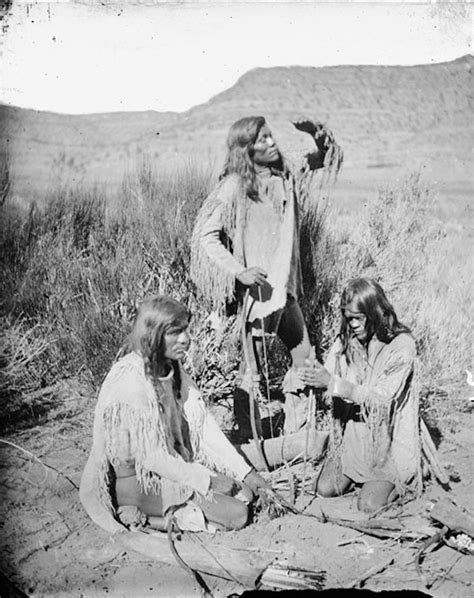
49,547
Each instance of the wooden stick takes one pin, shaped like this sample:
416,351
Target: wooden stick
453,517
371,572
206,592
45,465
253,423
429,450
265,362
431,541
246,566
291,483
309,422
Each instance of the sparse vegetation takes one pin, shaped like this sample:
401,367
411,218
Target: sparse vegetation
74,271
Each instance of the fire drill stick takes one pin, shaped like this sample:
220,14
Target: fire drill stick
265,362
309,421
245,348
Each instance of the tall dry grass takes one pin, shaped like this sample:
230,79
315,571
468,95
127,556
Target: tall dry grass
74,271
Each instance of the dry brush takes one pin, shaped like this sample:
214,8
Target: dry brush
74,271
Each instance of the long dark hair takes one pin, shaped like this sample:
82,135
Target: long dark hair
155,316
370,299
240,149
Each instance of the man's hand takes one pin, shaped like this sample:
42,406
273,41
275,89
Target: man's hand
308,126
255,481
327,154
314,374
222,484
250,276
322,136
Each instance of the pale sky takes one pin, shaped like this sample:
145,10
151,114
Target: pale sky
82,57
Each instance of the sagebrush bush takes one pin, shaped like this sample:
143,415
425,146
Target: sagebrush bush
79,266
74,271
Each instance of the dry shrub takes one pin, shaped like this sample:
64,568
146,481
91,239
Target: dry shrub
213,356
74,272
408,253
321,277
26,361
80,265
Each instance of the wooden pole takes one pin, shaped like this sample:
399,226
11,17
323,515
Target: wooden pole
453,517
431,455
252,399
206,556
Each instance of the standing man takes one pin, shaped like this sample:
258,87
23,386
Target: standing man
245,246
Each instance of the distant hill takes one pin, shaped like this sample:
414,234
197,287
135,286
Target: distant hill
382,116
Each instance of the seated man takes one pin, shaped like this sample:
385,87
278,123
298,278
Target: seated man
156,448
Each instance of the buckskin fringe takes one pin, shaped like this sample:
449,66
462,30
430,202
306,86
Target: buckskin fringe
195,414
146,435
379,419
216,286
143,429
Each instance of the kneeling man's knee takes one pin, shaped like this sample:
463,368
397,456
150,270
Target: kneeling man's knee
374,495
368,504
239,516
325,488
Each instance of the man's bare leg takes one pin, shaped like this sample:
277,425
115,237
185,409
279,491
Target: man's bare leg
331,481
225,512
375,494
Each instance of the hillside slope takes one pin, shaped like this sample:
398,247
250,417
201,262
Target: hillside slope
383,116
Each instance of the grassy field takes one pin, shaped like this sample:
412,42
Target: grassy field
74,271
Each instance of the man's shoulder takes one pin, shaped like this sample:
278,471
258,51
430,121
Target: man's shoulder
223,194
126,378
403,344
229,185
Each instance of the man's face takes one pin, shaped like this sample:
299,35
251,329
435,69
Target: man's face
357,322
176,342
265,149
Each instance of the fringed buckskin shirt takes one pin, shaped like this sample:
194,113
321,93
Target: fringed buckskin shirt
380,424
128,433
234,232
